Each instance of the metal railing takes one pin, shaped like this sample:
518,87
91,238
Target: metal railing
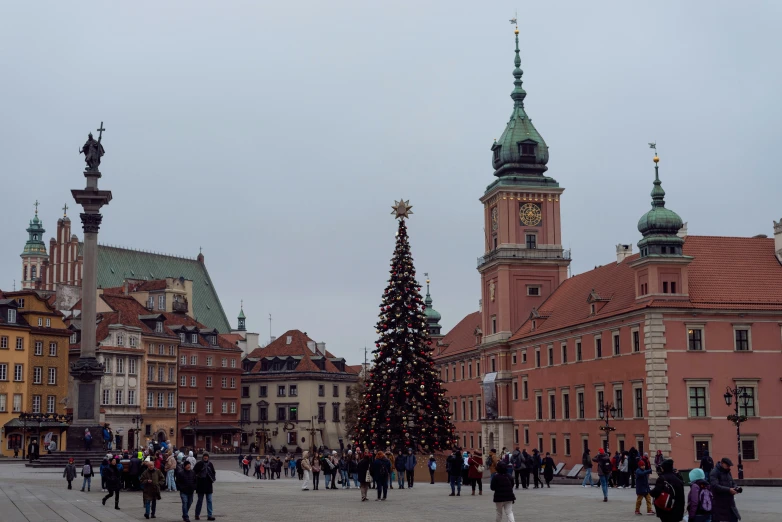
523,253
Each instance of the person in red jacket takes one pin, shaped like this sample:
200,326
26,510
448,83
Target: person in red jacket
473,473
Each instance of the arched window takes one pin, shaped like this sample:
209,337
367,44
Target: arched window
33,272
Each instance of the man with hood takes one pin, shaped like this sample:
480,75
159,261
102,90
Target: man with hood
707,463
134,469
724,491
410,463
668,481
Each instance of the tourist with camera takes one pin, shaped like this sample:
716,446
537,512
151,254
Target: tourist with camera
724,489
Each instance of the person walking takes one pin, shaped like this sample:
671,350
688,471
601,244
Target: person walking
642,488
315,472
342,465
257,468
724,491
475,471
108,437
700,501
381,470
624,471
87,440
291,467
399,466
603,471
306,471
632,461
87,472
707,463
517,463
186,485
502,485
152,480
526,459
352,468
453,465
104,465
33,449
134,469
536,463
586,461
410,462
615,461
364,474
548,469
668,483
658,461
170,469
205,476
491,461
432,466
69,473
112,476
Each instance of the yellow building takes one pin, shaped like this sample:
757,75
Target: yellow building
33,368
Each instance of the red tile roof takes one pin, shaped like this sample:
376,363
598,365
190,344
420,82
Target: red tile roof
725,273
232,338
460,339
296,348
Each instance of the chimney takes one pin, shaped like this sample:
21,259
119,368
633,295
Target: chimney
623,252
778,239
311,345
272,339
682,233
321,348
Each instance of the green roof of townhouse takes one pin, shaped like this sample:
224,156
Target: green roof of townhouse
115,264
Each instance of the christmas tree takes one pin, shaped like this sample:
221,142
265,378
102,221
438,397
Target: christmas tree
404,406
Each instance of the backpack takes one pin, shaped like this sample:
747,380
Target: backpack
606,467
667,498
86,470
705,500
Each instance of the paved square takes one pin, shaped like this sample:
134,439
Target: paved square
42,496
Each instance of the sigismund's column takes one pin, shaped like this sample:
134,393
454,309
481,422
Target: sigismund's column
87,371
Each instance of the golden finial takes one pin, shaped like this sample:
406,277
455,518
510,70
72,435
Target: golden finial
656,159
653,145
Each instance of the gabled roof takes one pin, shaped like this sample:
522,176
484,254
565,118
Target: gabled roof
297,347
460,339
725,273
116,264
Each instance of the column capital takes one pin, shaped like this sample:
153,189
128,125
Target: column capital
87,369
91,222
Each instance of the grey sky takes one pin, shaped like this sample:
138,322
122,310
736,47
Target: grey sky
277,134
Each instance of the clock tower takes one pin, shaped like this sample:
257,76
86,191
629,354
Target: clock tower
524,261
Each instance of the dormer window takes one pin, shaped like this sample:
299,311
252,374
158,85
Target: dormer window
12,316
194,338
497,153
159,326
527,149
213,340
120,340
181,337
74,340
288,339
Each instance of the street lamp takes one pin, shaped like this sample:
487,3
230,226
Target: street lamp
607,412
242,423
137,421
194,425
739,393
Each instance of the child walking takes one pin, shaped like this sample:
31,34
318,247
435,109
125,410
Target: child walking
70,472
87,472
642,488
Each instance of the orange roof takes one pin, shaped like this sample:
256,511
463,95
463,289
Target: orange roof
232,338
461,338
725,273
296,348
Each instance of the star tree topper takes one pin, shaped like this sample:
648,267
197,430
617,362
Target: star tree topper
402,209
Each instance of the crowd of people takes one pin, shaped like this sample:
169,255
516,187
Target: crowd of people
156,468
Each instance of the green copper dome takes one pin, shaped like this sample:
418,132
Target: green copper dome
35,245
660,226
432,316
520,149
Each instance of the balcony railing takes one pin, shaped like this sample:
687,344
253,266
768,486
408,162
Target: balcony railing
179,306
523,253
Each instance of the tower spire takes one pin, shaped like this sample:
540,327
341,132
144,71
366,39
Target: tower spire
518,93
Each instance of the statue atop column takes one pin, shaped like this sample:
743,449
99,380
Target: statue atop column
93,150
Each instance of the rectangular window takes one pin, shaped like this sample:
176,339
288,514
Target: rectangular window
578,351
150,371
581,409
281,413
478,402
193,338
38,348
524,357
537,357
551,356
4,342
51,402
293,390
131,397
280,390
335,412
747,403
600,402
18,372
48,322
553,445
150,400
321,412
171,374
36,404
261,391
533,291
20,343
617,349
540,443
233,363
181,337
494,324
639,402
335,391
552,406
193,407
131,366
161,349
539,407
526,435
697,401
161,373
245,392
515,390
193,383
748,451
223,361
233,407
566,406
619,404
37,375
3,372
493,365
224,384
567,445
12,317
701,447
161,302
208,406
17,406
106,397
170,399
532,241
160,400
120,365
742,340
233,383
564,354
118,397
321,390
159,326
52,376
209,361
515,436
695,339
598,347
524,388
182,406
3,402
636,341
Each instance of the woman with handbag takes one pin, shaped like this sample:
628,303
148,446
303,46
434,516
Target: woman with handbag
364,476
475,471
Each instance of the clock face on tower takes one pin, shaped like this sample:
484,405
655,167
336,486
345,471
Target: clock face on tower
495,219
529,213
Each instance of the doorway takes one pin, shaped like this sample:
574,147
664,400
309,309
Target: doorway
208,442
131,439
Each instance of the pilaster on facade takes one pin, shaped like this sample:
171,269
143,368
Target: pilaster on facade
657,383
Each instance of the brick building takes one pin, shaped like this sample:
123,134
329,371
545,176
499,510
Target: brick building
658,335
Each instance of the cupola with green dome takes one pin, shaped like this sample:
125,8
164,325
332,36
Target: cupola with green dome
660,226
432,316
520,155
35,245
242,320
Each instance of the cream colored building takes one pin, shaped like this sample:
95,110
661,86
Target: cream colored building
294,394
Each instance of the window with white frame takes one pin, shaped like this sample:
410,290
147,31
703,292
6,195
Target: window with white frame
181,337
36,404
159,326
170,399
209,361
161,349
12,316
132,366
209,382
52,376
37,375
748,398
106,397
18,372
17,405
182,406
233,407
107,364
161,400
4,342
233,363
120,365
151,348
38,348
150,400
617,347
193,360
171,374
638,401
224,407
233,382
48,323
743,340
192,406
599,400
619,402
183,360
580,403
695,337
193,381
698,398
133,341
194,338
161,373
120,339
224,362
172,350
51,403
131,397
20,343
224,384
3,402
566,405
118,397
40,319
183,381
208,406
636,337
161,302
74,338
598,347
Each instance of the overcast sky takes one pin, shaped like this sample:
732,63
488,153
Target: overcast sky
277,134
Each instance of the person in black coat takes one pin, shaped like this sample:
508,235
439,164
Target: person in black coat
502,485
724,490
113,477
134,470
33,449
186,485
536,462
205,477
707,463
669,476
548,469
632,464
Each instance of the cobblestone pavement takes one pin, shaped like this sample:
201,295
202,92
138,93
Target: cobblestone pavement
42,496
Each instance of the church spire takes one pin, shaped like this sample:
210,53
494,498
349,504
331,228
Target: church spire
242,326
432,316
518,93
660,226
